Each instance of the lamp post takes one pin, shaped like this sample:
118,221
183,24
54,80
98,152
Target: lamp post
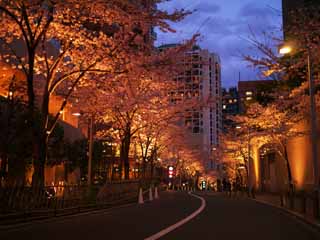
90,149
90,135
313,127
313,115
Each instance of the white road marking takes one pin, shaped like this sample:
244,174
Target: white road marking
180,223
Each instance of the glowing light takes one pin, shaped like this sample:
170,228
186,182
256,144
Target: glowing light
285,50
76,114
170,168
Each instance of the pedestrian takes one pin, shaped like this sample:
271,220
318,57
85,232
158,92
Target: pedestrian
224,185
228,184
219,185
234,188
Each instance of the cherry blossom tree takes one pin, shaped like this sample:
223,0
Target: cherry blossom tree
66,42
275,124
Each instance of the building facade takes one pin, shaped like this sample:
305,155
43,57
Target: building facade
230,105
250,91
201,80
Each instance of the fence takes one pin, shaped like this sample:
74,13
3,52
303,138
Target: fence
305,203
27,202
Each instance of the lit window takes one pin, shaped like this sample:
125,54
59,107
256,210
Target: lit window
230,100
235,100
248,98
248,93
224,106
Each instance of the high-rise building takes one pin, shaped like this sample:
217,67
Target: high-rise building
201,79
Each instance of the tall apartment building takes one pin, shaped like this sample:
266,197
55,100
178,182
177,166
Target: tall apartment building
201,79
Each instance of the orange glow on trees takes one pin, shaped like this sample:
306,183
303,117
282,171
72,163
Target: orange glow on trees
62,44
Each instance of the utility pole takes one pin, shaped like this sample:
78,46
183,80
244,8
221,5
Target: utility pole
90,149
249,165
313,123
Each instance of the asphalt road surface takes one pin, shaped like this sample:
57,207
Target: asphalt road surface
221,219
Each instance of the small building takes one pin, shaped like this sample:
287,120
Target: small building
251,91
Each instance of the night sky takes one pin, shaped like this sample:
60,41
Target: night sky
225,26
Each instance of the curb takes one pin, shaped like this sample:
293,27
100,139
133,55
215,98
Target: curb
297,216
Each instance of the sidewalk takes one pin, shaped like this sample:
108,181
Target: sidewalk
275,201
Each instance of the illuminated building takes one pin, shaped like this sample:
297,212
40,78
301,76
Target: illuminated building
201,80
250,91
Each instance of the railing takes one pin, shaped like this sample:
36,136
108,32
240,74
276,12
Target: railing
305,203
25,203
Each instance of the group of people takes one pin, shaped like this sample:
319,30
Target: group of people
229,186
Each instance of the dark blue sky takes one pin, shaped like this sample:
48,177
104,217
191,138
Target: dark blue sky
225,25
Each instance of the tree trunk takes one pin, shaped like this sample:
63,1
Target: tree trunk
17,172
151,168
40,162
291,186
42,143
125,157
3,167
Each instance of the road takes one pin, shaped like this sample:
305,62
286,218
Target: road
221,219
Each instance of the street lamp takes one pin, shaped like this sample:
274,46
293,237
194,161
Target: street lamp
90,135
286,49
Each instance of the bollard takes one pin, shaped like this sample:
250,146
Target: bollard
156,195
140,200
150,194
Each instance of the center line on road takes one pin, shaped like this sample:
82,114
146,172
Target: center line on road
180,223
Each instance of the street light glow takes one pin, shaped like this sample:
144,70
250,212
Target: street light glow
238,127
285,50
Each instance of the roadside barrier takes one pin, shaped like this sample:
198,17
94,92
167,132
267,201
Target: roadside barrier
140,200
